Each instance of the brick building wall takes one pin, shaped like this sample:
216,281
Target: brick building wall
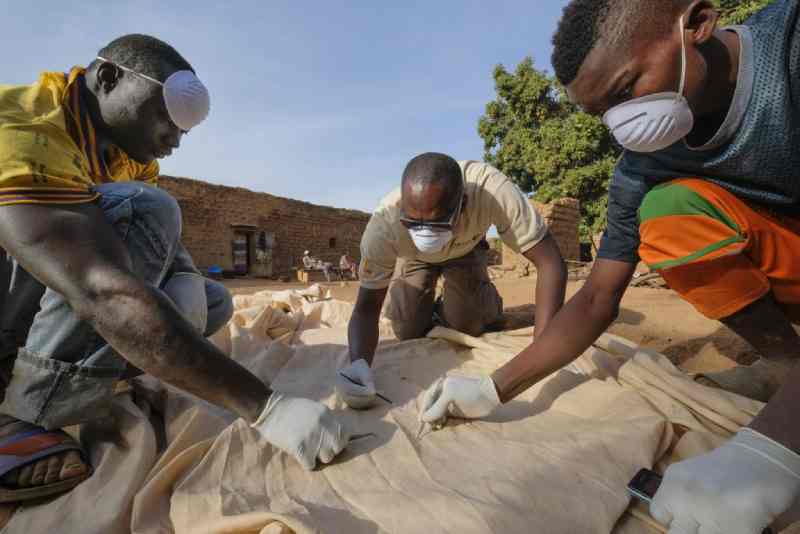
214,216
563,218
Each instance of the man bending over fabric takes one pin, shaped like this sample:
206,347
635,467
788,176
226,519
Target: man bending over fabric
707,193
86,244
435,223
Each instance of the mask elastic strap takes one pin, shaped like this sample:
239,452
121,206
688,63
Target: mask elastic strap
683,58
126,69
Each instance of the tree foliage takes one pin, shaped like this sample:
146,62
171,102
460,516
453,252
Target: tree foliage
737,11
535,136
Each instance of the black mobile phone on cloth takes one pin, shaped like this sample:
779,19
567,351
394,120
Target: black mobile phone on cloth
644,486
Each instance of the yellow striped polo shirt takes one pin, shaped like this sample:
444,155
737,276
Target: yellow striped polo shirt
48,145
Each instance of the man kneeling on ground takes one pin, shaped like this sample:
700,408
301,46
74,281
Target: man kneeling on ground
435,223
95,285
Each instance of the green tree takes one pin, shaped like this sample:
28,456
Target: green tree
535,136
737,11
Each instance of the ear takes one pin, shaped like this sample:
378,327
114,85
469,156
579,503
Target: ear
700,18
108,76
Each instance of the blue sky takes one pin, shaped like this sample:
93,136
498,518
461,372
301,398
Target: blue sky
319,101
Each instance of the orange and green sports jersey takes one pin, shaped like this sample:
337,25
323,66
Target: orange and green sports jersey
48,145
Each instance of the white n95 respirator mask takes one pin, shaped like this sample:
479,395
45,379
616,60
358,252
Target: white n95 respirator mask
653,122
429,240
185,97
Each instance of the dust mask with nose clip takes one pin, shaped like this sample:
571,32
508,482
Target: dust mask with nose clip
185,97
430,240
653,122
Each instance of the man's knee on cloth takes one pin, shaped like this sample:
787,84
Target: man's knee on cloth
412,329
465,322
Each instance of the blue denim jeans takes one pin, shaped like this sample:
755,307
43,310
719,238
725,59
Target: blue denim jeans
63,372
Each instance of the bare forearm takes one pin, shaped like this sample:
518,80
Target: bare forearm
551,280
74,251
579,323
362,335
362,332
551,285
778,419
152,335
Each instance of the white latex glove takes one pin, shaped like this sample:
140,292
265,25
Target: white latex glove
188,292
303,428
459,396
739,488
356,397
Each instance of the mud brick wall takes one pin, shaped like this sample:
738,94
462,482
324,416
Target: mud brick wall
563,218
214,214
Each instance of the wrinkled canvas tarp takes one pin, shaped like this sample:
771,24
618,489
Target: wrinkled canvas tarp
555,460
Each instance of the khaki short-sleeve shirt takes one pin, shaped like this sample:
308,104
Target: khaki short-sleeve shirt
492,199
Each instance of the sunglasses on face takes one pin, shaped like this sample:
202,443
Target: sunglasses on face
416,224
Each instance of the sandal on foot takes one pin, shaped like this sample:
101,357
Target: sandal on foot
33,443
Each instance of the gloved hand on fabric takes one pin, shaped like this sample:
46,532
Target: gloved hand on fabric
188,292
303,428
355,396
459,396
739,488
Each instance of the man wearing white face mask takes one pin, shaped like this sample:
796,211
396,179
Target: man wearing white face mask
707,193
95,286
435,225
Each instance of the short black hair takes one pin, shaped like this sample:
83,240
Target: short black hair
435,168
585,23
576,36
144,54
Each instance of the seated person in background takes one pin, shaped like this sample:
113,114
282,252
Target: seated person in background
94,284
310,263
435,224
347,266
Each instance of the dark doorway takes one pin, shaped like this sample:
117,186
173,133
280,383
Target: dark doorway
241,253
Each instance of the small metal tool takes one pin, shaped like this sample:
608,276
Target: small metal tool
357,383
357,437
434,427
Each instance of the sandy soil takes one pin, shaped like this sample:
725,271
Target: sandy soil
657,318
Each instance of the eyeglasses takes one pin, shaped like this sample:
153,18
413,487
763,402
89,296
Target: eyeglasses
415,224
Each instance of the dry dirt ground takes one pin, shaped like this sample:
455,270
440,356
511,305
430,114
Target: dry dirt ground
656,318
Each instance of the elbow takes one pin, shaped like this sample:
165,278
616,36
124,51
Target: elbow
603,307
103,297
